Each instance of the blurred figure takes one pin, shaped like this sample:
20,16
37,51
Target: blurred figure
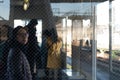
47,37
33,47
3,38
87,43
44,48
18,66
54,59
5,31
41,73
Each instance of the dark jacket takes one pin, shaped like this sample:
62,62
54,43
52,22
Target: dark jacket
2,44
44,53
4,57
4,49
18,67
33,47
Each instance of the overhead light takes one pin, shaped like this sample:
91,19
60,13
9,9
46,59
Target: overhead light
25,4
26,1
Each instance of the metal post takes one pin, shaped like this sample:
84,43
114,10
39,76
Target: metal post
93,46
110,36
66,38
72,43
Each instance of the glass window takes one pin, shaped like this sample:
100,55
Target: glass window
90,33
4,8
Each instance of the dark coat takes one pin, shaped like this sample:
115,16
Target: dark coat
2,44
44,53
4,49
18,67
33,49
4,57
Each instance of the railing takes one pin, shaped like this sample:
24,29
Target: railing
105,63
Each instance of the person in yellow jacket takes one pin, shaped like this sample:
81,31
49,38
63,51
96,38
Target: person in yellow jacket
54,58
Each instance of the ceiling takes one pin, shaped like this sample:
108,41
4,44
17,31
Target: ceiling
34,2
65,1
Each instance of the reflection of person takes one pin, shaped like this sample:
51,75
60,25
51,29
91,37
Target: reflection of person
18,66
33,47
87,43
54,58
5,31
44,52
44,48
46,35
3,38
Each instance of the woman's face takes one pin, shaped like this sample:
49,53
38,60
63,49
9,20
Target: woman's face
22,36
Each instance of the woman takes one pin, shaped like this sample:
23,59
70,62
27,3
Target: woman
17,66
54,58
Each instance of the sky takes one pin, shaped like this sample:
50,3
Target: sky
4,9
79,8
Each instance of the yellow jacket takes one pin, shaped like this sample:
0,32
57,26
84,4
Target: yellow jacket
54,55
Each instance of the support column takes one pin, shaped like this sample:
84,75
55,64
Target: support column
47,16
